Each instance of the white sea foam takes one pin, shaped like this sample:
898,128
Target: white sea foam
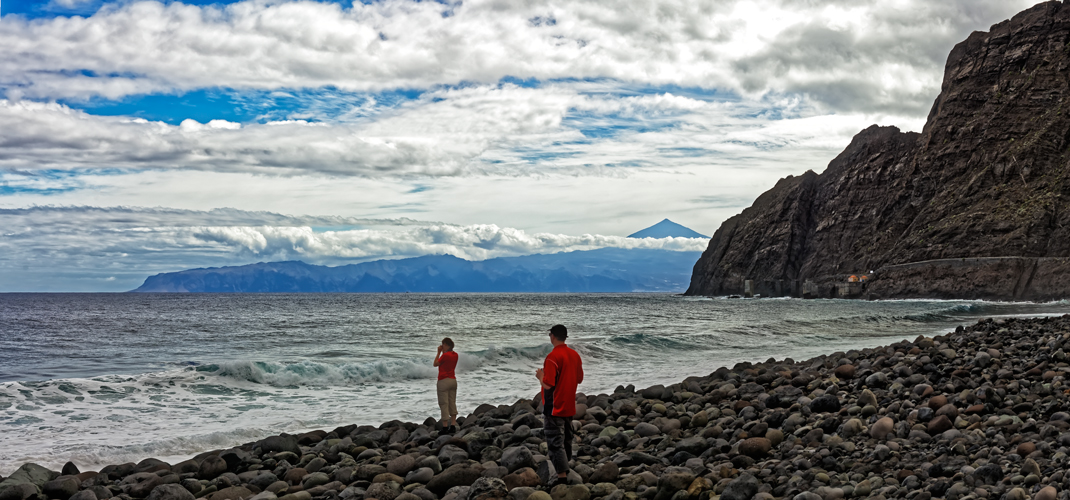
181,412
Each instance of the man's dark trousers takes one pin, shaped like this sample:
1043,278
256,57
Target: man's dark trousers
558,434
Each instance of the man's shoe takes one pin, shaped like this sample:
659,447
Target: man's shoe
451,429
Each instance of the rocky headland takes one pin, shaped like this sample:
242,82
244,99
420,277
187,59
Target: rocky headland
973,207
980,413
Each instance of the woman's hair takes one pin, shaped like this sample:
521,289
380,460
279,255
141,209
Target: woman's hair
448,342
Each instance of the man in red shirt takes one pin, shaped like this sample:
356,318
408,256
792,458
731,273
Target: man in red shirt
561,372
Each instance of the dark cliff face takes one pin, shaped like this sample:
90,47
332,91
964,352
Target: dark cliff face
987,177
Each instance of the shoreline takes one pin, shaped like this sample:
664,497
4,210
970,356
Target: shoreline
979,412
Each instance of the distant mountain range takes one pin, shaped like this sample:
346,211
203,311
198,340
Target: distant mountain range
602,270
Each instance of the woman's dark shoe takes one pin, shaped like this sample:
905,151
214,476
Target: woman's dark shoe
451,429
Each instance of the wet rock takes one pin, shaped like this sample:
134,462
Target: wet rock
281,443
18,491
62,487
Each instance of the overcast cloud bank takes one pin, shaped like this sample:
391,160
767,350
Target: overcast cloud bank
854,56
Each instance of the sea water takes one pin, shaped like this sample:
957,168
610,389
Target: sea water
110,378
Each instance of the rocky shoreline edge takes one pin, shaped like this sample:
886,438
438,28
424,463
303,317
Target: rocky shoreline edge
980,413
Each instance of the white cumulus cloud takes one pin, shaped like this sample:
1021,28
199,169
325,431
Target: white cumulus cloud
837,52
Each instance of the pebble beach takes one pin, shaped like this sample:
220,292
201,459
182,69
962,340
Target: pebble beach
979,413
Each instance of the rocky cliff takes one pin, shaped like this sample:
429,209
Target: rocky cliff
987,177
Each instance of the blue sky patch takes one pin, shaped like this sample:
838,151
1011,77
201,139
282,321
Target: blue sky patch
7,190
250,106
37,9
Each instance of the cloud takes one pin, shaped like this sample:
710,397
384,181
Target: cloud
476,130
114,248
440,134
838,53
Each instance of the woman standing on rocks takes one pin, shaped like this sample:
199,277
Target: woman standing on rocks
446,361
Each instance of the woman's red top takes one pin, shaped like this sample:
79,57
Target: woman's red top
446,364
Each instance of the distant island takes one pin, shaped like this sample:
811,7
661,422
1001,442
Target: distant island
602,270
973,207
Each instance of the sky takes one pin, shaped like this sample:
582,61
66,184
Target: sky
139,137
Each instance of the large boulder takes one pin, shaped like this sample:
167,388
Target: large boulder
211,467
741,488
280,443
231,493
672,480
401,465
27,480
455,475
487,488
452,454
87,495
755,447
827,403
421,475
383,491
605,473
62,487
525,477
517,457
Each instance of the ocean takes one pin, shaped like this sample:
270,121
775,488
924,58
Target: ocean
109,378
